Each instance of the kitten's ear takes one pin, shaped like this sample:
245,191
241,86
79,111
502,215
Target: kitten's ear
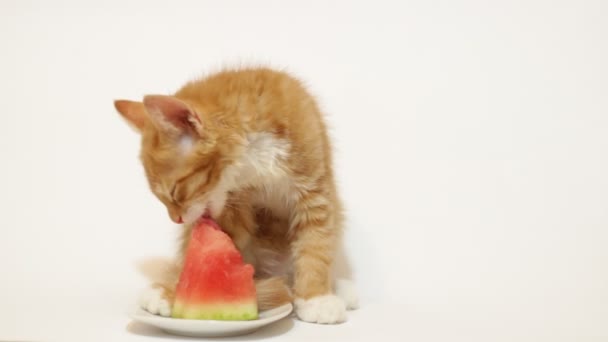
172,115
133,111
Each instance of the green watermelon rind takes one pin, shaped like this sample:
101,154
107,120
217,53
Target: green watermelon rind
220,312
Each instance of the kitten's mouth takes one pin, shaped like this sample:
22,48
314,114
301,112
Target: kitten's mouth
207,219
206,215
197,213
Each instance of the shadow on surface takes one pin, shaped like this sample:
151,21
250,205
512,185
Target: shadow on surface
272,330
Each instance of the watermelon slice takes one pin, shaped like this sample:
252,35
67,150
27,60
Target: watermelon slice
214,283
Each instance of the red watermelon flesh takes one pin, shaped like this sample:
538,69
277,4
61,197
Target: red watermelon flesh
215,283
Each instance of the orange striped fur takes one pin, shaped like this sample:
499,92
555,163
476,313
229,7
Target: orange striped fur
249,146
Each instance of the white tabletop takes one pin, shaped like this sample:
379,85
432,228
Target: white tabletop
104,318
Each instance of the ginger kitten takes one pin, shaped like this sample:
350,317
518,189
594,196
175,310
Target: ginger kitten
249,149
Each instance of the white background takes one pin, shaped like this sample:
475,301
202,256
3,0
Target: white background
471,149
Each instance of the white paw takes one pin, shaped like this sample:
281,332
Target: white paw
328,309
155,302
345,289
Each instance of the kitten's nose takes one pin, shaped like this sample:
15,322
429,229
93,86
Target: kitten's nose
175,217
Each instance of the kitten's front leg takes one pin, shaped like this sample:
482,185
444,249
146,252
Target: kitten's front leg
316,232
157,300
164,275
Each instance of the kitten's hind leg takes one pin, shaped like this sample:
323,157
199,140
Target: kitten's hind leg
345,289
344,285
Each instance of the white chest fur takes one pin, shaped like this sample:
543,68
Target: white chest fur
275,195
263,166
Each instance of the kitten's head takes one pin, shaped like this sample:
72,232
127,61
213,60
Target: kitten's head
183,155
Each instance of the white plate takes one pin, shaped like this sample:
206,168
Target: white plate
210,328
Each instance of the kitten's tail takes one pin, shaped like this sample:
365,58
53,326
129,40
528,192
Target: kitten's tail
272,292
